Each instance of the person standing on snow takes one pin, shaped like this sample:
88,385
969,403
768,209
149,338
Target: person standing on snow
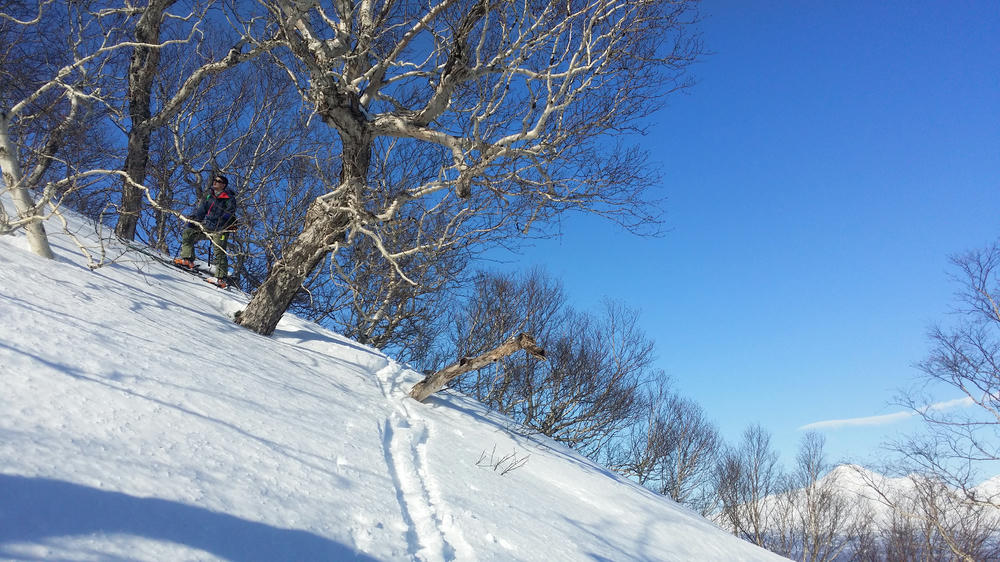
217,215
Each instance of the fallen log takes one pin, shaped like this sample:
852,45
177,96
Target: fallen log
436,381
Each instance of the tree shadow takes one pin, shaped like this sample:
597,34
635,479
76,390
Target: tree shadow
304,334
35,509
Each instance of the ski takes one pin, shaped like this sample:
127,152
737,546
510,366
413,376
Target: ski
197,269
201,271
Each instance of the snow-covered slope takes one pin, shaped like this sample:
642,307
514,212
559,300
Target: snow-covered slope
138,422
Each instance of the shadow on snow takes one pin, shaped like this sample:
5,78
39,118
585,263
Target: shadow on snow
35,509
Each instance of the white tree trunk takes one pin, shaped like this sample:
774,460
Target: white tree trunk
38,241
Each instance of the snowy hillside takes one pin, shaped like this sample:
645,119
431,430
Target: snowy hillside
138,422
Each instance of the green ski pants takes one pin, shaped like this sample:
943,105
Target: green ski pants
192,236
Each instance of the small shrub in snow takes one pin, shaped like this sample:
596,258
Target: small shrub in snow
502,464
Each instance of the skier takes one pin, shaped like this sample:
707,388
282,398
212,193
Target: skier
217,215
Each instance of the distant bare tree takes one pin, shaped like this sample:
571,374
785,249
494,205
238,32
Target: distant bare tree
587,390
868,538
946,460
673,449
691,449
746,478
816,520
956,526
907,538
965,357
639,453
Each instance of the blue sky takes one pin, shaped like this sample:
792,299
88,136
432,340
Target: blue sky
829,160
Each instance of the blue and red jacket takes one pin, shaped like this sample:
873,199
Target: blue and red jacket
217,212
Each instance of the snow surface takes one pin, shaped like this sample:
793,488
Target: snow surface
138,422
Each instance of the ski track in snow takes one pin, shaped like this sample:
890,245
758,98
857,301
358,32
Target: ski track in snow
433,533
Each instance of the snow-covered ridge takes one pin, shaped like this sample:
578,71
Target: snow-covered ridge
139,422
863,483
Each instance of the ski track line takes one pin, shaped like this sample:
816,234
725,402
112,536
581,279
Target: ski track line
445,521
433,532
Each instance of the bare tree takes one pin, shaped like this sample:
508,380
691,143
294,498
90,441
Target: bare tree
816,521
673,449
362,295
639,453
954,526
587,392
868,543
905,538
965,357
49,85
691,446
949,516
141,72
924,518
588,389
519,100
746,479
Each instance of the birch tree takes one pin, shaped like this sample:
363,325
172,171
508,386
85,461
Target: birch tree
521,101
142,70
52,67
816,521
746,479
361,294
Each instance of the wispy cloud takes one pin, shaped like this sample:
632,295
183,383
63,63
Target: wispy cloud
853,422
886,419
956,403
